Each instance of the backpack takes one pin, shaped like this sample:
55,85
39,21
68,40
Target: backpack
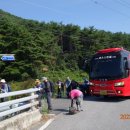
72,110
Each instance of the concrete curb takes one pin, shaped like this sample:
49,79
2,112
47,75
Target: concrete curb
21,121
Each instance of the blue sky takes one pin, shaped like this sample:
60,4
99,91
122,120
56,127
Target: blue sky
108,15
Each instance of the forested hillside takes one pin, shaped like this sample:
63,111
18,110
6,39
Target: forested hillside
40,46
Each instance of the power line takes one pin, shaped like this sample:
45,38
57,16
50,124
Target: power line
122,3
45,7
109,8
127,3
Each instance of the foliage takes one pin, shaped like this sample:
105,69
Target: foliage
62,49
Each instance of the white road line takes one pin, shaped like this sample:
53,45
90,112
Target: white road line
46,124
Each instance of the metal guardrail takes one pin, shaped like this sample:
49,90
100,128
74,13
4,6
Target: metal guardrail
30,96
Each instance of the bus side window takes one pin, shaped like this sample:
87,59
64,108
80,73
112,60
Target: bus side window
126,66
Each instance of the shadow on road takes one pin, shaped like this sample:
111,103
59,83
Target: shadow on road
58,111
67,113
61,110
106,99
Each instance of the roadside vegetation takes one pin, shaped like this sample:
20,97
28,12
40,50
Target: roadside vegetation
74,75
50,49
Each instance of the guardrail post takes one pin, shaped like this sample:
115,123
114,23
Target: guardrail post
32,102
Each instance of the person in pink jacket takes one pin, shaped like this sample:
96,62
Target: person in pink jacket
76,95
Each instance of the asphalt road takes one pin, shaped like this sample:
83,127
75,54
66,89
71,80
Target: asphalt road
98,114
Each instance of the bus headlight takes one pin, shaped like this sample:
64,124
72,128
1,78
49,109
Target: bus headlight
119,84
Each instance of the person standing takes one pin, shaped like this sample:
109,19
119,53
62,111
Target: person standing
48,89
60,88
5,88
86,86
67,84
40,92
76,95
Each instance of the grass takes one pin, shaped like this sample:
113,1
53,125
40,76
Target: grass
44,109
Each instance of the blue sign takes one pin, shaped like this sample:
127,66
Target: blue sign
8,58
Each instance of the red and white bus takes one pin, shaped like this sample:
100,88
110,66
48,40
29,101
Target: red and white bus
110,72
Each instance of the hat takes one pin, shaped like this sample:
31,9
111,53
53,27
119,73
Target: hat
68,78
2,81
37,81
44,78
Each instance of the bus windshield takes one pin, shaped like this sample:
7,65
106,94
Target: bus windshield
106,66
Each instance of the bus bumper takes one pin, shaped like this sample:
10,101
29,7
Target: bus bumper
106,92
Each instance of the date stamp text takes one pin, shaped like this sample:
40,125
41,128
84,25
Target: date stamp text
125,116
